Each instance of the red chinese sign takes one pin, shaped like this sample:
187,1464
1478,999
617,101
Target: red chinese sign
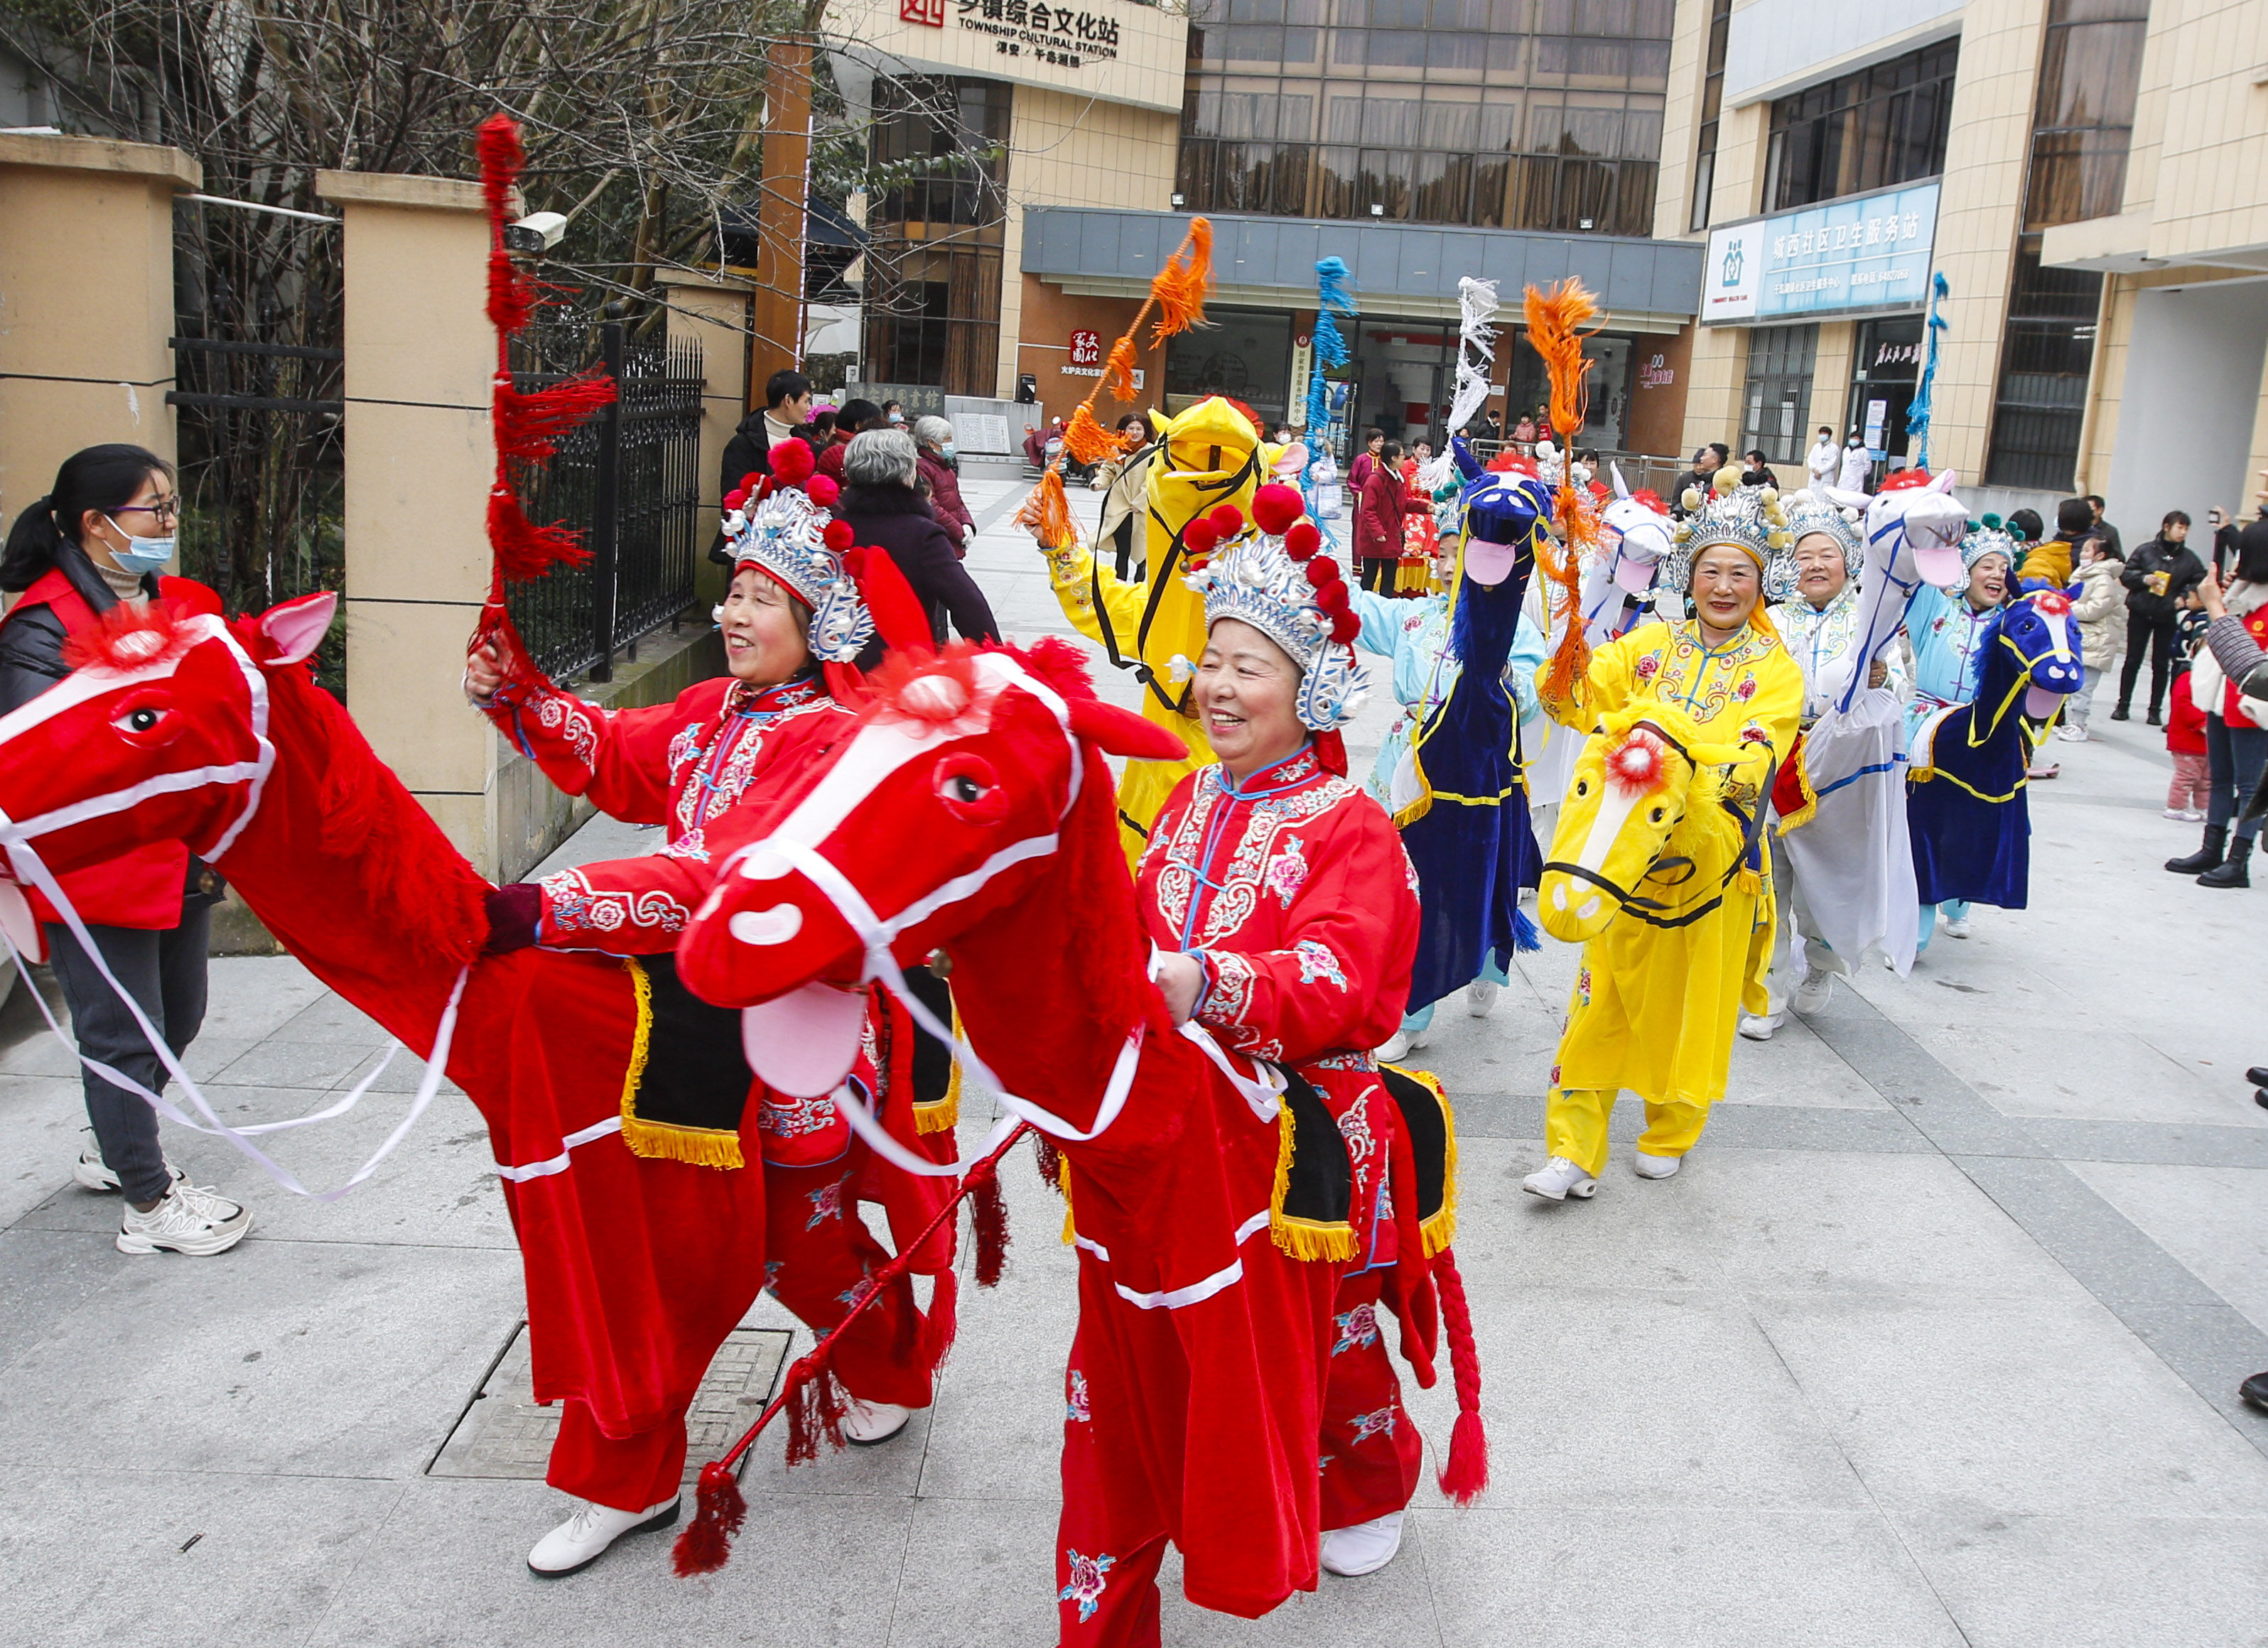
1087,349
929,12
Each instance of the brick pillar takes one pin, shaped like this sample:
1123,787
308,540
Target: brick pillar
716,312
86,302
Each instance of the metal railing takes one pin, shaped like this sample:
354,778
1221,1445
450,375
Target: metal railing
628,479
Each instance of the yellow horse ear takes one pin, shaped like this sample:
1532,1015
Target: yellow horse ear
1716,754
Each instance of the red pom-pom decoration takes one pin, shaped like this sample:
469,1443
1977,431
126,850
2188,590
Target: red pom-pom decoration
1303,539
1275,507
791,462
837,536
1320,573
1198,537
734,499
854,561
1227,520
1332,598
822,490
751,480
1345,627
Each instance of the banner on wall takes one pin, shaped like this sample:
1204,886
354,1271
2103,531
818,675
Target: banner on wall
1869,253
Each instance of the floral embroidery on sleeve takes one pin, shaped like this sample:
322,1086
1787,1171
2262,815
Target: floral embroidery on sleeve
1316,961
1287,872
571,904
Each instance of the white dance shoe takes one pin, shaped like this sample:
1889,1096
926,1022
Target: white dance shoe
868,1423
1654,1166
1759,1026
1363,1548
1480,997
1812,995
585,1536
1958,928
1559,1178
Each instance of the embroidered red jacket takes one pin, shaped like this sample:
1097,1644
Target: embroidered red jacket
1292,889
684,765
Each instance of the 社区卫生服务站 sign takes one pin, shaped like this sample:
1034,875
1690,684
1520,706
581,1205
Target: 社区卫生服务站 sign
1867,254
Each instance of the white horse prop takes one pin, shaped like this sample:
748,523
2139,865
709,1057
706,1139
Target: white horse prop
1843,795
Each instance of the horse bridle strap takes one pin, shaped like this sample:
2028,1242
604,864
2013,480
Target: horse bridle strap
1639,905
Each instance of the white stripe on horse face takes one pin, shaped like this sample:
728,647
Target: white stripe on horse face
1615,808
94,680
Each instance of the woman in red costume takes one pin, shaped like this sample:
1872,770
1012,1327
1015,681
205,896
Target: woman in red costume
1288,915
796,616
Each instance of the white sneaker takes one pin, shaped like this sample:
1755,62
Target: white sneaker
1394,1049
867,1423
2071,734
2179,815
1759,1026
1559,1178
93,1174
1480,997
583,1538
1959,927
2193,816
1363,1548
1655,1166
189,1219
1814,993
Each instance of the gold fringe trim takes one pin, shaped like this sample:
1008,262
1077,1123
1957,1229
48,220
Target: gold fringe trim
1810,810
945,1112
666,1141
1301,1238
1439,1229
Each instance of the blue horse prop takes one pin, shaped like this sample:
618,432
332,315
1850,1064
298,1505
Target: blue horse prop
1965,804
1464,815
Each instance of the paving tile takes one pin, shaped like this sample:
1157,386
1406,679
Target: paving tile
1387,1609
2018,1407
2212,1220
978,1570
45,1276
40,1120
254,997
90,1555
2103,1581
1692,1578
278,1357
449,1567
2108,1075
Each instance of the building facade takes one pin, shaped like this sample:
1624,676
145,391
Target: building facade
1419,140
2085,176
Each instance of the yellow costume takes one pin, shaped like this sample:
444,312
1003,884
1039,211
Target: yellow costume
1654,1006
1205,457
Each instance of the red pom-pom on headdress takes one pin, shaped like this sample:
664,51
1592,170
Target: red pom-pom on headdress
1345,627
1227,520
1199,537
837,536
822,490
1303,539
793,463
1320,573
1275,507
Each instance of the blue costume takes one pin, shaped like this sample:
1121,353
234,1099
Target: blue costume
1965,803
1458,794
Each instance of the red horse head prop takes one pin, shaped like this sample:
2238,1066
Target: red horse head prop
160,734
942,807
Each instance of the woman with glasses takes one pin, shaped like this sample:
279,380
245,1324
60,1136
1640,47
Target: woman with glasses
95,543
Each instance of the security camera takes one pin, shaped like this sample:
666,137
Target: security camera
538,232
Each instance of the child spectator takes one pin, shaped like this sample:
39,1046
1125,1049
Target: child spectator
2191,790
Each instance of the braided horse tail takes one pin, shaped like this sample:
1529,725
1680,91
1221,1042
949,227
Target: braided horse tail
1465,1477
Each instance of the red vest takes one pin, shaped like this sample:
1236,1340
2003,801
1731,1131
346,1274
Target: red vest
142,889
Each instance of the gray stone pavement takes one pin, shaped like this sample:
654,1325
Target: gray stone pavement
1934,1342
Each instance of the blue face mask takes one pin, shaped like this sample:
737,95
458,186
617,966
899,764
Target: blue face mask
949,452
142,555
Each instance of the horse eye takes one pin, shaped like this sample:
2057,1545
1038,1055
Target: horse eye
1660,813
966,789
142,720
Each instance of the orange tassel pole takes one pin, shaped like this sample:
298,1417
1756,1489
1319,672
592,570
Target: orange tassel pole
1046,514
1556,329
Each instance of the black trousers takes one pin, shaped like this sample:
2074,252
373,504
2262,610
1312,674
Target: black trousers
1379,575
2155,635
165,972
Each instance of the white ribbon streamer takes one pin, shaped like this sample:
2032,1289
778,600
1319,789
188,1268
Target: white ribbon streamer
26,861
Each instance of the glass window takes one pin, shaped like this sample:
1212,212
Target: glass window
2045,359
1417,103
1244,354
1867,130
2090,64
1713,92
933,262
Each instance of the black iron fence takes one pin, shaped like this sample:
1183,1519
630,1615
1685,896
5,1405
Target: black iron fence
629,480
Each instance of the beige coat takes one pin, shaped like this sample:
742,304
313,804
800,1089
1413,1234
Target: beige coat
2100,610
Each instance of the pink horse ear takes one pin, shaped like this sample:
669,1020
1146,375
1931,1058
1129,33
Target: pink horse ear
1123,733
298,627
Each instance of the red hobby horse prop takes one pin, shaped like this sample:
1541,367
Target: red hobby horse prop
972,811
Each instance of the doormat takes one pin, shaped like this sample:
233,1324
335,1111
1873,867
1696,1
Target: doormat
503,1434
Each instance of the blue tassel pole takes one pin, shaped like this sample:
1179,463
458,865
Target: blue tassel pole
1334,292
1918,412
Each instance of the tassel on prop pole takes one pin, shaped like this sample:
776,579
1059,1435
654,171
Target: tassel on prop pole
1177,295
812,1397
526,423
1556,323
1918,412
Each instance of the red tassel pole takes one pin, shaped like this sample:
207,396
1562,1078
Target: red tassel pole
990,1219
811,1396
1466,1475
708,1539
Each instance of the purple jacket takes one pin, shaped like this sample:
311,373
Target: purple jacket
944,500
899,520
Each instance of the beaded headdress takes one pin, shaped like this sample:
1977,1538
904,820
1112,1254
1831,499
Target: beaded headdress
779,524
1748,517
1808,514
1991,536
1276,581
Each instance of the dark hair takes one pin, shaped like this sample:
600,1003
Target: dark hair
1391,450
785,385
2074,516
2027,521
886,405
2174,517
1722,451
824,421
1827,430
100,478
1756,453
1136,420
1369,435
855,415
2095,501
